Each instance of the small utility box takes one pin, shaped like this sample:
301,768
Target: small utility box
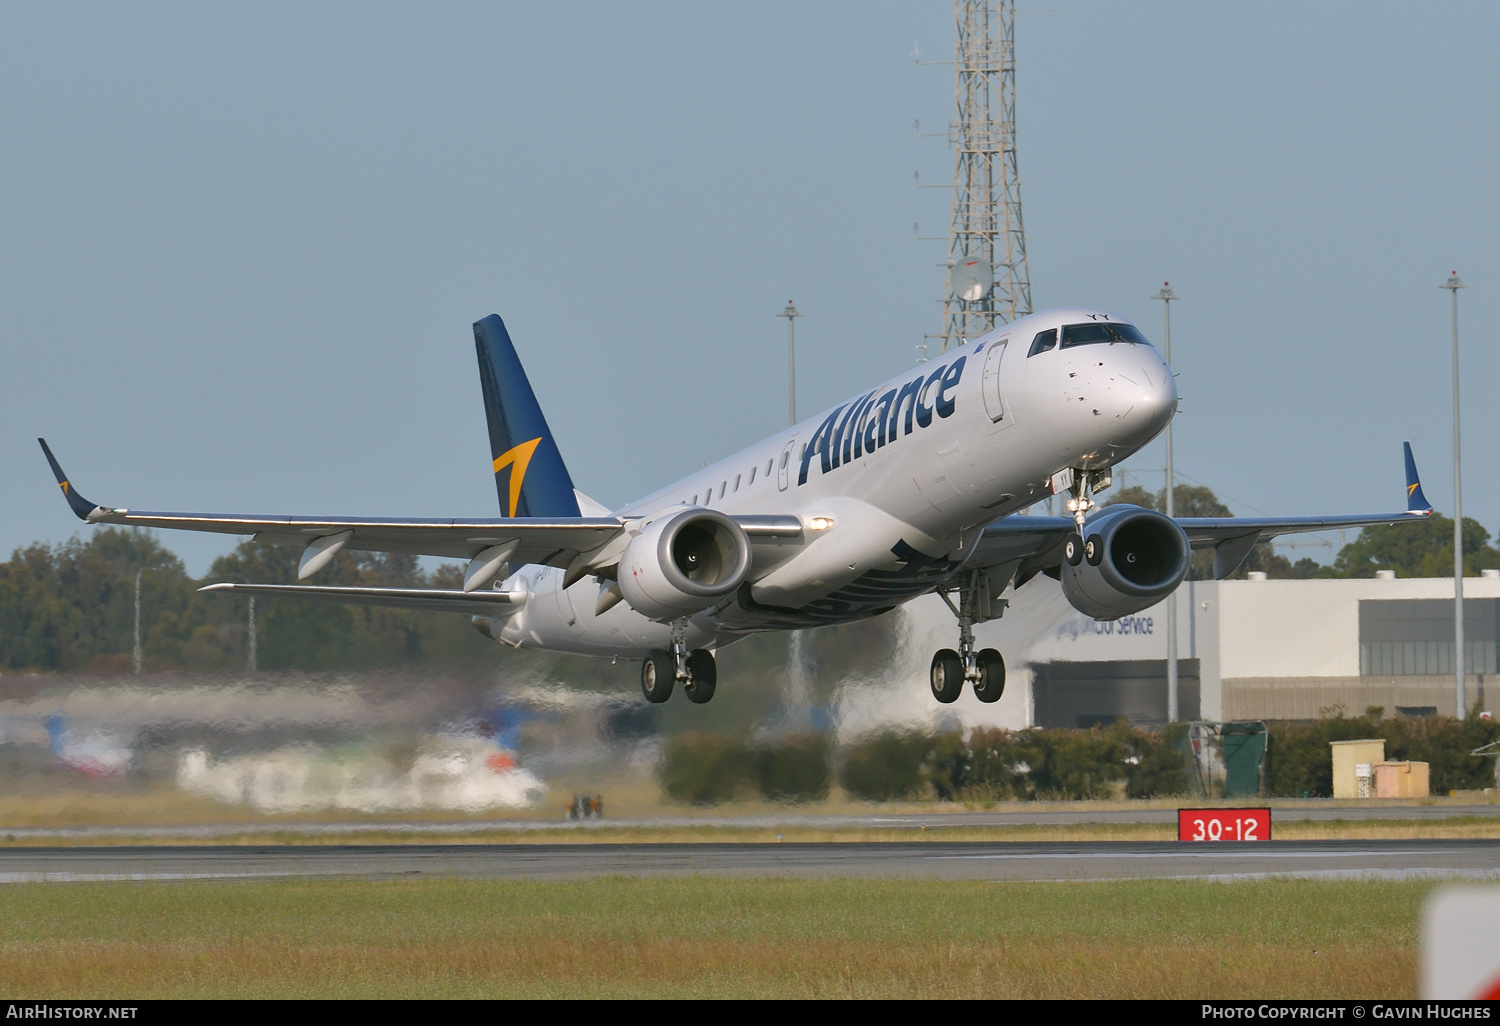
1354,767
1401,780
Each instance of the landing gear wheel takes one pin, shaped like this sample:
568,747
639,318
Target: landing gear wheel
1073,550
703,674
991,682
658,674
947,676
1093,550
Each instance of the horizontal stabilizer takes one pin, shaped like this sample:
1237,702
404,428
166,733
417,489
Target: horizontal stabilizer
486,603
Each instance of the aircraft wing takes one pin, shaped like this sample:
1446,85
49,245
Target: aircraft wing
554,542
580,544
1029,545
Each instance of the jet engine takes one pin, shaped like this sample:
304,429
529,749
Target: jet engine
1127,559
683,563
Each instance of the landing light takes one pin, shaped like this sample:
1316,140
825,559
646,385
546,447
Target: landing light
820,523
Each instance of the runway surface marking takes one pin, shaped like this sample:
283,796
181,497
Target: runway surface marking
1466,859
1186,853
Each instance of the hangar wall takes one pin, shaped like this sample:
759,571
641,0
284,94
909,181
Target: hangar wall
1303,649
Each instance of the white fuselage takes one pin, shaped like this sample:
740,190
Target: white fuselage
909,473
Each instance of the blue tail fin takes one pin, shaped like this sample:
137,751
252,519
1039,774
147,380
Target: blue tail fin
1416,502
529,471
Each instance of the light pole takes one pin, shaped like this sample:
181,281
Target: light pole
791,314
250,628
1453,284
252,633
138,617
1166,295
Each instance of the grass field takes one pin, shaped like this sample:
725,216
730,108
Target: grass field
1449,828
712,937
123,806
1455,829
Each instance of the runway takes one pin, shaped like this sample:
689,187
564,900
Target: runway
1034,861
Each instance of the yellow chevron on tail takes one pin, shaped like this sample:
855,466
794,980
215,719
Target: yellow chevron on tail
517,459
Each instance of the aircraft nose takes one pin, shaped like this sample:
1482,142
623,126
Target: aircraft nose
1158,398
1137,396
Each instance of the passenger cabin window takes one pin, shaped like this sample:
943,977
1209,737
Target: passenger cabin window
695,498
1044,341
1098,332
737,482
723,487
752,475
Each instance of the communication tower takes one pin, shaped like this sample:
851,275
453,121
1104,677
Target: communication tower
987,279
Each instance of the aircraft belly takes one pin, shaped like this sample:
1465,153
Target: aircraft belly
908,573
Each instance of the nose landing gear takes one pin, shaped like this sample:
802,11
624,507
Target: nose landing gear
983,669
696,670
1085,483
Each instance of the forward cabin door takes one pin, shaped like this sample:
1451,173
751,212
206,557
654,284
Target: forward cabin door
784,465
994,400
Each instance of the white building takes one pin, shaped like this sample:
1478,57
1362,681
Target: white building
1253,649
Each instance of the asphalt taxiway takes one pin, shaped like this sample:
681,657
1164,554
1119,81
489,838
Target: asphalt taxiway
1035,861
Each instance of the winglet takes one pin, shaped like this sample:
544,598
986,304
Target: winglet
1416,502
80,506
529,472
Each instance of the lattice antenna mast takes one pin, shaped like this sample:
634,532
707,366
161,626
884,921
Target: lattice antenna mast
986,239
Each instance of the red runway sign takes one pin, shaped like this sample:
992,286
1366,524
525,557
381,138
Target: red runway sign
1223,824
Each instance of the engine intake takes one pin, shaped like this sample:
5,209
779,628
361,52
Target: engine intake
683,563
1128,559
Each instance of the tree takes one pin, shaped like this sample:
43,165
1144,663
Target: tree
72,606
308,634
1416,550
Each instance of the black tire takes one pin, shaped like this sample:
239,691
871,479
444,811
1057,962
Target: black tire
947,676
1073,550
658,674
703,675
1093,550
991,683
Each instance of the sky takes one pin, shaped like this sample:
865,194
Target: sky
243,243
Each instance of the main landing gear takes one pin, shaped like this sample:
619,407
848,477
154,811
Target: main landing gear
984,669
695,669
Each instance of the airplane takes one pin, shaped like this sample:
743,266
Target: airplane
918,486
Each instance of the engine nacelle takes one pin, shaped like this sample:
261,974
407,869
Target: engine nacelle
1126,561
683,563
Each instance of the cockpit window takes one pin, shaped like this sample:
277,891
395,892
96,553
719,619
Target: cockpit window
1100,331
1044,341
